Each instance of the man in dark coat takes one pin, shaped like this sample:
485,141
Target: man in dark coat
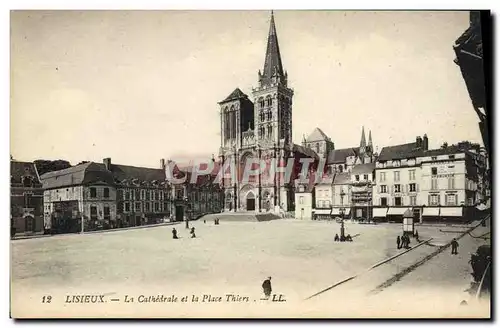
174,234
192,233
336,237
266,286
398,241
416,236
454,246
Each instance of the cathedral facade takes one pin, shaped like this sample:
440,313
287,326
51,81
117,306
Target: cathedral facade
260,127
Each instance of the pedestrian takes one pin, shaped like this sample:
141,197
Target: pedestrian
192,233
174,234
416,236
204,221
398,241
266,286
454,246
336,237
348,238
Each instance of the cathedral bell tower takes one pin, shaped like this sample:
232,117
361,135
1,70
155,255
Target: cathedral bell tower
272,97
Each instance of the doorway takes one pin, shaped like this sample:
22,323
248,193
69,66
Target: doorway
179,213
250,201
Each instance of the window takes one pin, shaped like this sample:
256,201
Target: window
106,192
452,156
412,174
162,195
119,194
137,194
301,200
147,195
434,184
269,115
413,187
106,213
383,189
398,201
382,177
127,195
451,182
269,101
357,177
138,207
397,188
434,171
383,201
396,176
93,193
157,207
317,147
365,177
396,163
93,212
451,199
434,200
413,200
148,207
434,158
127,207
262,103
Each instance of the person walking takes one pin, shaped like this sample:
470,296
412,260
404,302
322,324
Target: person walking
454,246
336,237
266,286
416,236
174,234
398,241
193,235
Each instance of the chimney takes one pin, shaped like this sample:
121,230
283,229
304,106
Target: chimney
162,163
425,143
107,163
419,142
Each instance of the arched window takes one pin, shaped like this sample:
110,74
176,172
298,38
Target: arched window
261,102
269,115
269,132
262,131
341,168
269,101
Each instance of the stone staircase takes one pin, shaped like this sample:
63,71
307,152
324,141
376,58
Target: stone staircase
240,216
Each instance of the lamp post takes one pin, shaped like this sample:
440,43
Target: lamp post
342,210
187,211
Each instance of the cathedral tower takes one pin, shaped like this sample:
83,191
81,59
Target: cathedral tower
272,97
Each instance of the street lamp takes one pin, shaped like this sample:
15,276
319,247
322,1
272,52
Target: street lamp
187,211
342,211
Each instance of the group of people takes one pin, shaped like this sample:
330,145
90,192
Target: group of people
174,233
403,241
342,238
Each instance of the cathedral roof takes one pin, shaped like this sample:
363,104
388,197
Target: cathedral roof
317,135
236,94
365,168
340,155
272,62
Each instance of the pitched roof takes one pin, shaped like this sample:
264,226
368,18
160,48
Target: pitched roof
273,57
342,178
22,169
317,135
142,174
340,155
86,173
304,150
409,150
363,168
236,94
453,149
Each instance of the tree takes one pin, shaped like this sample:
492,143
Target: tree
44,166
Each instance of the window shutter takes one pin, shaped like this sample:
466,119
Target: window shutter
429,200
456,199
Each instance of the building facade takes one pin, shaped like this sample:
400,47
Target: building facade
261,130
26,199
436,184
80,198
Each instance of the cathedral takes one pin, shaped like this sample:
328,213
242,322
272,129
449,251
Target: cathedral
260,127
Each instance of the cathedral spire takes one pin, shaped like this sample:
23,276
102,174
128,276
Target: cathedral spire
273,67
370,143
362,144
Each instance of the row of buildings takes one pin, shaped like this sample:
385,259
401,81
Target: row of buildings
444,184
93,196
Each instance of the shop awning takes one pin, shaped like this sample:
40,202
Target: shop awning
396,210
335,211
380,212
322,211
431,211
451,211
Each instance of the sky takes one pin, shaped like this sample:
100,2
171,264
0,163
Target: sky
138,86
